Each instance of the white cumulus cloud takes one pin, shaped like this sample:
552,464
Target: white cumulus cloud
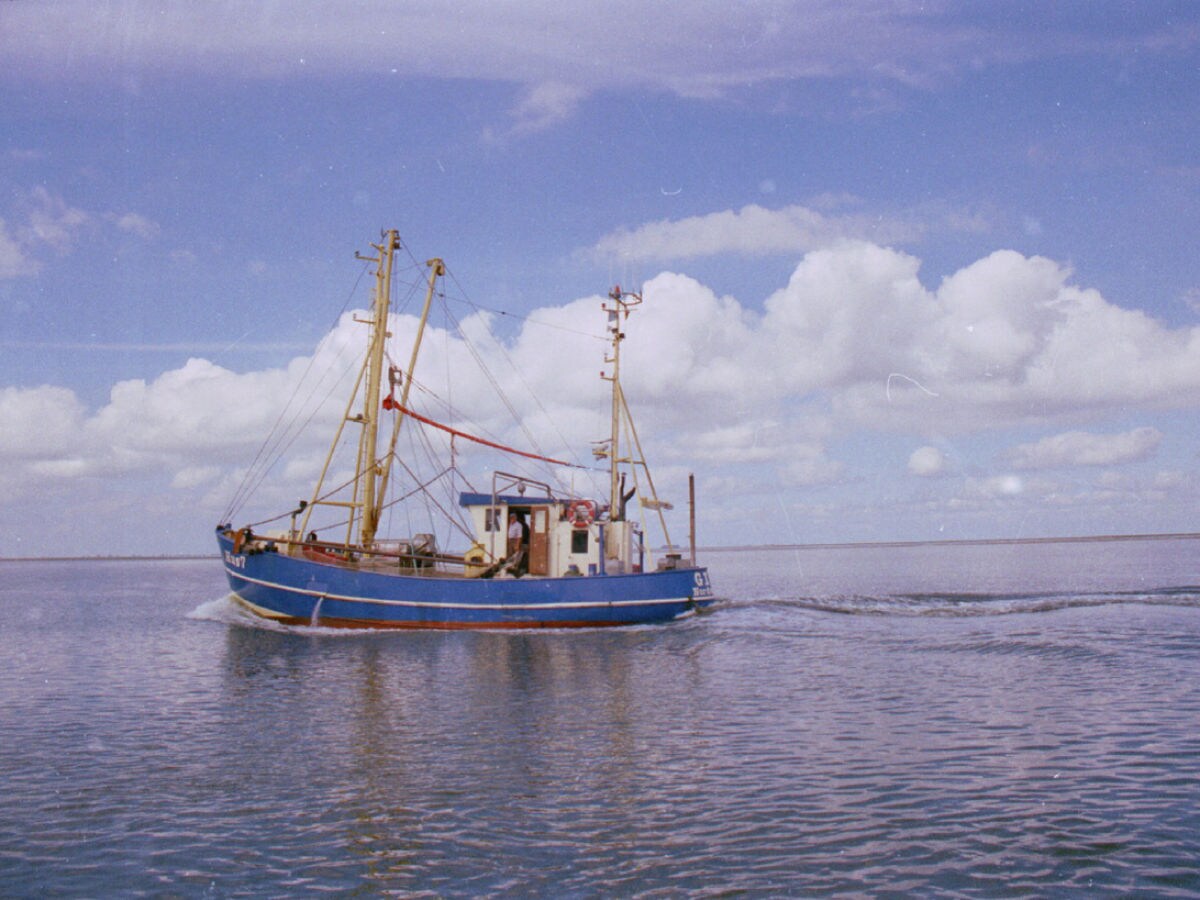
760,398
721,380
38,423
927,461
1081,448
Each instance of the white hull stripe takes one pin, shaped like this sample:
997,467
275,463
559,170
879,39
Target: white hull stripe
603,604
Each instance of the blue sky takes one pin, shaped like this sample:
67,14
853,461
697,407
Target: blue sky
913,270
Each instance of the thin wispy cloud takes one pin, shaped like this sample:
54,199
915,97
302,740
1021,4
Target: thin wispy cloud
42,223
749,231
756,231
703,49
166,347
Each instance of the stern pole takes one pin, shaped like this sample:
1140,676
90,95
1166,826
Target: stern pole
692,515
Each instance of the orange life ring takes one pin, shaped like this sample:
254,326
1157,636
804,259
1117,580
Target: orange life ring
582,513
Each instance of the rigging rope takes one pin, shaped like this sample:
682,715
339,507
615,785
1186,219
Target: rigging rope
284,434
291,421
281,436
461,332
478,440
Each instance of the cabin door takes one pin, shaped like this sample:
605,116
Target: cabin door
539,540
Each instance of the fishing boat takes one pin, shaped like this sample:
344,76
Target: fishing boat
535,554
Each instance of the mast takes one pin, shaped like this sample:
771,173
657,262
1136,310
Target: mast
623,303
437,268
367,467
373,470
361,504
617,313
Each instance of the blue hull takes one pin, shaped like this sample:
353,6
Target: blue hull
300,591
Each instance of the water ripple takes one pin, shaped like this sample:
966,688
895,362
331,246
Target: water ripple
919,742
944,604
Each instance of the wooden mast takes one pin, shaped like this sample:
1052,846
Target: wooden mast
367,467
361,500
372,470
371,520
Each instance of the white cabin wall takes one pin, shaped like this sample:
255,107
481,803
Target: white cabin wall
494,542
620,548
561,557
620,542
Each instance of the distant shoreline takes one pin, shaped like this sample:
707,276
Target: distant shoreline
733,548
114,558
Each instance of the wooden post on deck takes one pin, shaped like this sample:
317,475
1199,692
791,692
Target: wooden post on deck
692,515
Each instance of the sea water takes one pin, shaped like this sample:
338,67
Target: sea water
962,720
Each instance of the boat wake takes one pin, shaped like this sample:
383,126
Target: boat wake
227,611
965,605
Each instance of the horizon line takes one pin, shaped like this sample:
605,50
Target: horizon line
1065,539
727,548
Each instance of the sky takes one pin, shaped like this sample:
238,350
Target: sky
911,270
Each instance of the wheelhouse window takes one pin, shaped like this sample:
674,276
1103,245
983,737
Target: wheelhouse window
579,541
493,519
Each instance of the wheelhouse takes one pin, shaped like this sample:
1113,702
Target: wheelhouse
562,536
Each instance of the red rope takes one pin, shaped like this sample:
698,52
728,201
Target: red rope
478,440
